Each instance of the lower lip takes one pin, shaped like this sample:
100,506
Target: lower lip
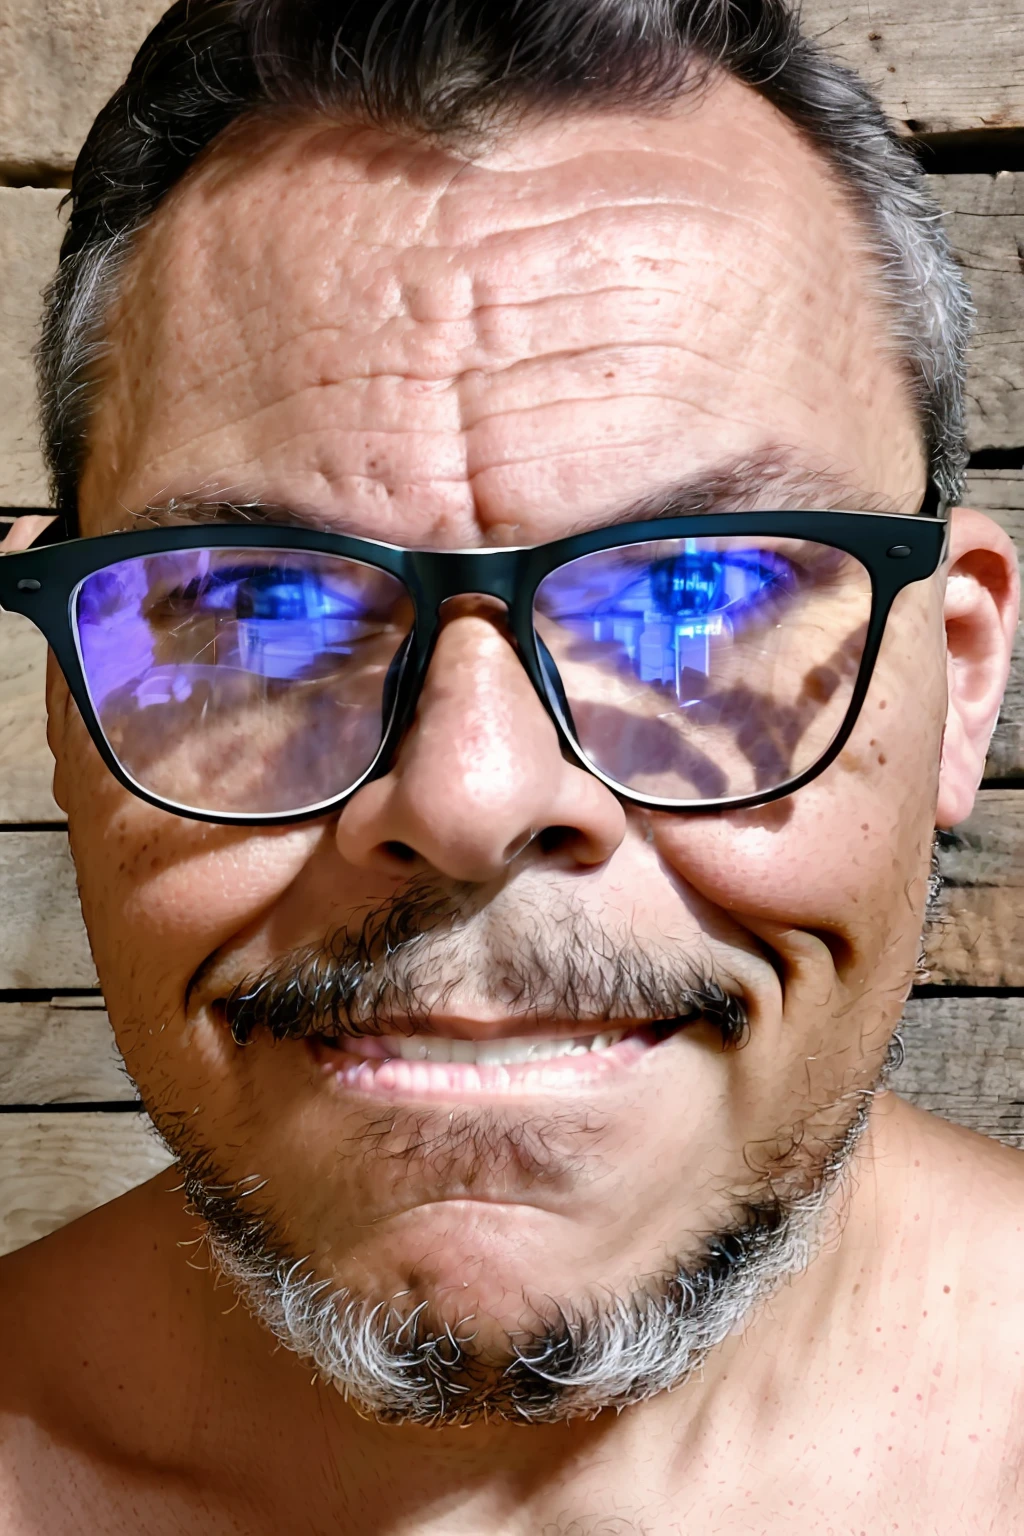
395,1078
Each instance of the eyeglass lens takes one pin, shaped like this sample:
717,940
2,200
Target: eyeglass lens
241,681
255,682
706,668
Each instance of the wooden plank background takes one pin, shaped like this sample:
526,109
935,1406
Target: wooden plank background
71,1133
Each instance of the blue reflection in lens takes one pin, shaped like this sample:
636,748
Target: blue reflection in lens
277,622
660,619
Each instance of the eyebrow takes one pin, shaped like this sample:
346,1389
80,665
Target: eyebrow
774,480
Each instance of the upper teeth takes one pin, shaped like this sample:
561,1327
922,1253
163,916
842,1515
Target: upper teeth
495,1052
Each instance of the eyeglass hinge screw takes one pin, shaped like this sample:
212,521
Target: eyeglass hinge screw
900,552
29,584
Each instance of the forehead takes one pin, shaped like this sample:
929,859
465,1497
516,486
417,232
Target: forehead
421,346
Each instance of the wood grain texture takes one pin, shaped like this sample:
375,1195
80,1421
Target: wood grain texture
57,1166
977,936
30,235
42,938
61,1052
965,1062
937,68
985,219
26,767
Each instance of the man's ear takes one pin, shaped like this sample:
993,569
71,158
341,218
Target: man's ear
981,612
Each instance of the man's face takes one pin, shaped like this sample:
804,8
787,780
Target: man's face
393,342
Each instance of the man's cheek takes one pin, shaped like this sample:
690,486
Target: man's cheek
848,861
167,892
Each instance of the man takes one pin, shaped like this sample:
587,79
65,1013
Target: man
510,945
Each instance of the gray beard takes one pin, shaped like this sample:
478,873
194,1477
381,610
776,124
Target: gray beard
398,1361
398,1365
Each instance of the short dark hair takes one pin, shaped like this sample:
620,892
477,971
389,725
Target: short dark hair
454,70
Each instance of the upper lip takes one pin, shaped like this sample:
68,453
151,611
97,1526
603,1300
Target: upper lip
449,1027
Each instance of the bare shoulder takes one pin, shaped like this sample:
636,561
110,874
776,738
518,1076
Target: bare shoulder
964,1196
85,1319
978,1181
83,1284
962,1207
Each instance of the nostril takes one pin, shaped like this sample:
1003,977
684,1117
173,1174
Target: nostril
554,839
400,851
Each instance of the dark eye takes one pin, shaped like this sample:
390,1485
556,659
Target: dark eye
270,593
688,585
701,582
283,594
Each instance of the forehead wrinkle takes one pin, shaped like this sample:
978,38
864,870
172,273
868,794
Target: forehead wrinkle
493,286
495,311
503,347
463,457
500,293
776,478
521,167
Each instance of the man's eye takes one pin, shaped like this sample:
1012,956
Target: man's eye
269,595
701,583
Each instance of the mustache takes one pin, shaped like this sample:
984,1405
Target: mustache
410,957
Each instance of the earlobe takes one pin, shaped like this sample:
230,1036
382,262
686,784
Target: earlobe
981,613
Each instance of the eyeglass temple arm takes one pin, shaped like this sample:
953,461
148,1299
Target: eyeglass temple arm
56,532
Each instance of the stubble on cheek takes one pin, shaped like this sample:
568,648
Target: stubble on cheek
833,885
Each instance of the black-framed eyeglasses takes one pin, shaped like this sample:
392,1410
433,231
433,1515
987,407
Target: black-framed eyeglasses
258,674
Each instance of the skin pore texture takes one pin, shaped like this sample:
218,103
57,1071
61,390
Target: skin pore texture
394,340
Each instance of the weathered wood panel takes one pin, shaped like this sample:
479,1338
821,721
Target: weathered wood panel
57,1166
59,62
44,946
61,1052
937,67
26,767
977,937
965,1062
30,234
985,217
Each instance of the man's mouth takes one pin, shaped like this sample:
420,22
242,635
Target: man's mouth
434,1066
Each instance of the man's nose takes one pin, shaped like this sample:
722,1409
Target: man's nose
480,775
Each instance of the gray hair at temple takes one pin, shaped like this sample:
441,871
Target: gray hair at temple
462,72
